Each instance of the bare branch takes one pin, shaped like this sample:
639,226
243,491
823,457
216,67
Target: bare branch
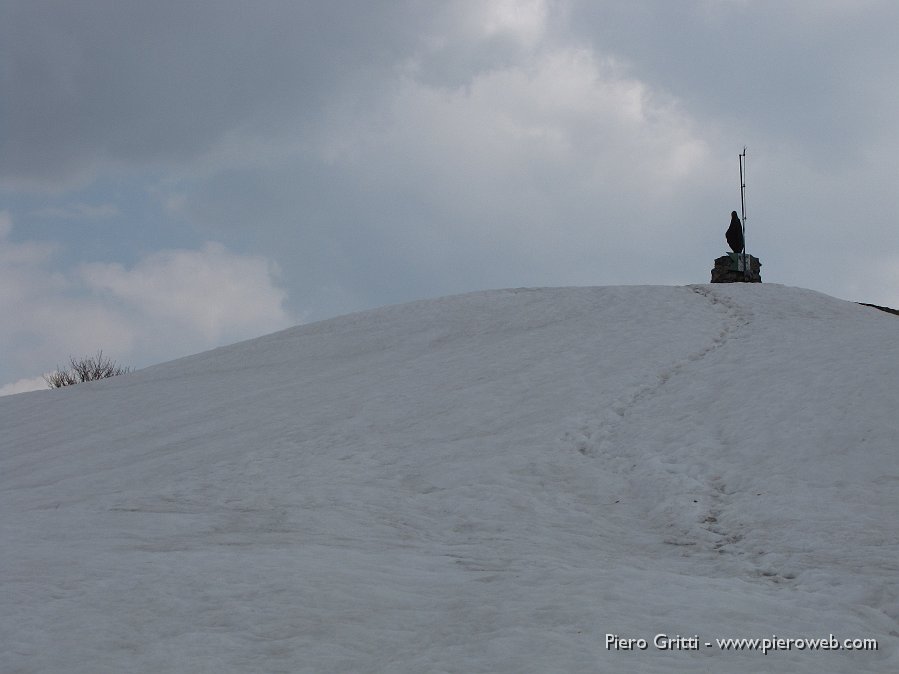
89,368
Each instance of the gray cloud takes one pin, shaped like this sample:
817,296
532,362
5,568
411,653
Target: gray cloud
813,75
133,82
531,173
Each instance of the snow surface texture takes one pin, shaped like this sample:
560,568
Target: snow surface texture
484,483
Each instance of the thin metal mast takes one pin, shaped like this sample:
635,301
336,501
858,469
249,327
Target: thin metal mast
742,157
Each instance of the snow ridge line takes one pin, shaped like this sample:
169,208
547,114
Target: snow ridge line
594,437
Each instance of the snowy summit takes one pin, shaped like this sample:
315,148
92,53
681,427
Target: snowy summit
522,481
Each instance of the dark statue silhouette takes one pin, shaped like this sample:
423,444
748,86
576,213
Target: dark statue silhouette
735,233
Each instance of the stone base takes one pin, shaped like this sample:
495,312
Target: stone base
728,269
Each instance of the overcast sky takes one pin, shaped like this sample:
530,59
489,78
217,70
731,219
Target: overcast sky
181,174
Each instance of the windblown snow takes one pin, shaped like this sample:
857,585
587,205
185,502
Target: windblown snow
508,481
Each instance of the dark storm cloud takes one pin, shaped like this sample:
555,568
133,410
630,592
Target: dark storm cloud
139,82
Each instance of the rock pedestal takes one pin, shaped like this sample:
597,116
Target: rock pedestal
730,268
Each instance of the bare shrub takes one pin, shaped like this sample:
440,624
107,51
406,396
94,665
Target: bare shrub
89,368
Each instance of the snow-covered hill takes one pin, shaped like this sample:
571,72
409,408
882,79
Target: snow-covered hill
492,482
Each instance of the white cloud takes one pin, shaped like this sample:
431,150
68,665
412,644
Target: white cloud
25,271
523,143
23,386
542,168
210,292
525,20
170,303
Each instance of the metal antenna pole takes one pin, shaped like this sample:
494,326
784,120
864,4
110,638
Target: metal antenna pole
742,157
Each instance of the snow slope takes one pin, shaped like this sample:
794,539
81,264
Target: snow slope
484,483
